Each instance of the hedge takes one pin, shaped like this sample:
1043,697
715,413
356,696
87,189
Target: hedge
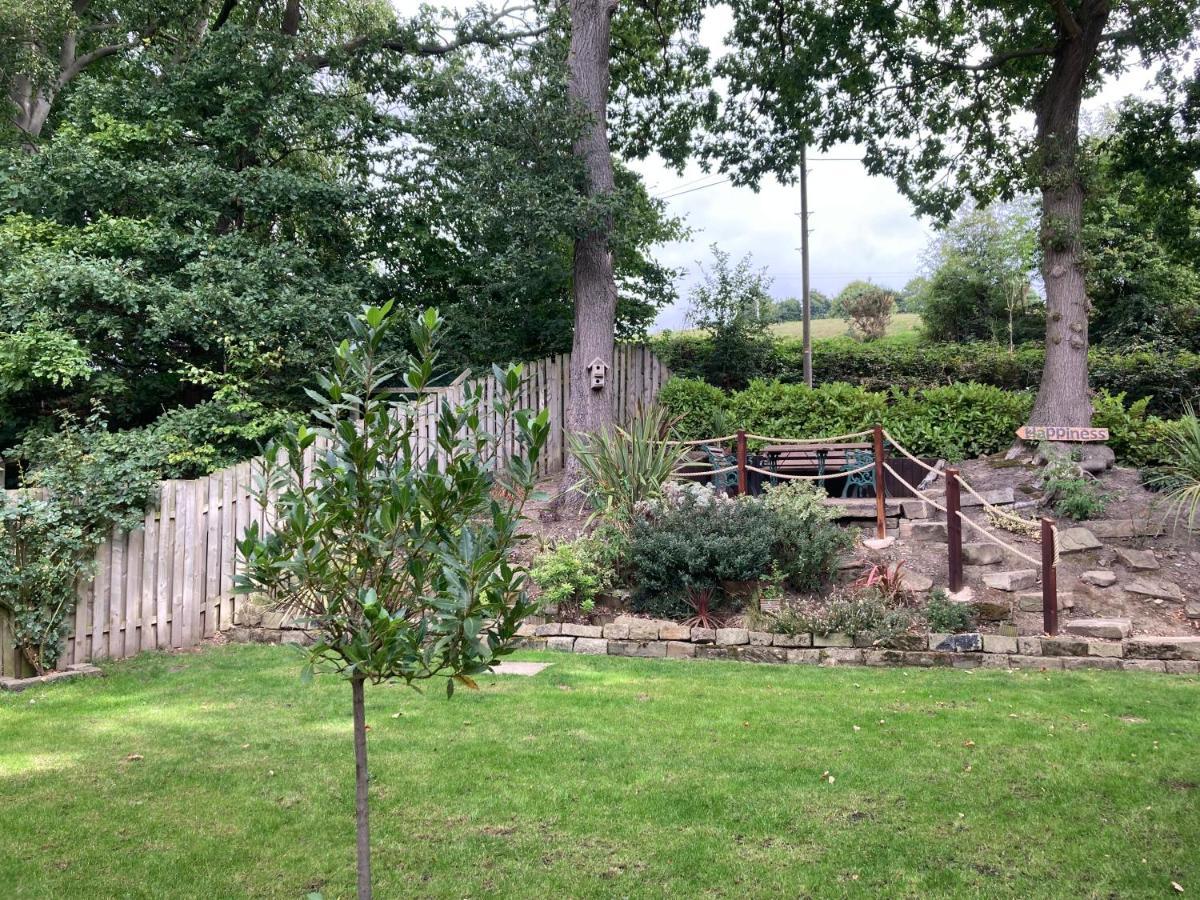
1165,380
952,422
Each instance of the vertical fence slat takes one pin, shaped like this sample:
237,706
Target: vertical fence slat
100,595
228,523
149,581
179,577
212,554
134,554
164,579
116,598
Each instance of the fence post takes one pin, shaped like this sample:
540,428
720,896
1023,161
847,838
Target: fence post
880,485
1049,579
741,462
954,531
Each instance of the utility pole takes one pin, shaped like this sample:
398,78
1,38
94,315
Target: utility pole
805,299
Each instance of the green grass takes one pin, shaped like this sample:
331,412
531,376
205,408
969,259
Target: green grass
902,324
603,777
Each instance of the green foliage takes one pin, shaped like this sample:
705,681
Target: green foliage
453,605
944,616
769,407
867,307
571,575
697,408
1073,492
958,421
623,468
863,616
733,305
1180,472
807,542
82,482
699,542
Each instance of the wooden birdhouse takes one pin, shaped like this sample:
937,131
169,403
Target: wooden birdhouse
598,373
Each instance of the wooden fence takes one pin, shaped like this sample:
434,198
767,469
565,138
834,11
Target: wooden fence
169,584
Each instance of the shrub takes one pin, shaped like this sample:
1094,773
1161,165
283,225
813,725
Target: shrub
1072,491
1180,475
571,575
958,421
697,408
861,615
807,542
623,468
868,310
945,616
694,544
774,408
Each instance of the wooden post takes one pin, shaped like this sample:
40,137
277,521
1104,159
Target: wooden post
954,530
880,491
741,462
1049,580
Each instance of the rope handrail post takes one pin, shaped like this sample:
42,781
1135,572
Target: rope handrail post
954,531
880,491
1049,579
741,462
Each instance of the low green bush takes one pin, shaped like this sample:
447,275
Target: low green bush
1073,492
864,615
807,542
571,575
947,617
697,408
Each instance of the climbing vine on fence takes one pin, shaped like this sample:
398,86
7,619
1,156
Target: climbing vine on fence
82,482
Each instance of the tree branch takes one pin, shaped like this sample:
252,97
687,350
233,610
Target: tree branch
1066,18
995,62
227,9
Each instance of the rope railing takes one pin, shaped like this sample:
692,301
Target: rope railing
904,452
817,440
698,442
838,474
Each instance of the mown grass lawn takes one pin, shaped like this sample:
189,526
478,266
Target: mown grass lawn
903,325
219,774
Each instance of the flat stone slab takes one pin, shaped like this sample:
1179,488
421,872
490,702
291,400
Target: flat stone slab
1107,629
527,669
1077,540
1192,609
878,543
924,530
1137,560
1125,528
971,642
998,497
1099,578
916,583
1032,601
78,670
982,554
1017,580
1163,648
1155,587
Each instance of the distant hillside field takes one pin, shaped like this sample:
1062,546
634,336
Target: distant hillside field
902,323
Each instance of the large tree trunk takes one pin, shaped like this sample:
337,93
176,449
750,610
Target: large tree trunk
1063,397
361,780
594,286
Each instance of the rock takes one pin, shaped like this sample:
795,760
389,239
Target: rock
878,543
643,630
804,657
616,631
680,650
583,631
729,637
1106,648
674,632
982,554
564,644
1077,540
832,640
759,654
992,610
1155,587
1096,458
1192,609
548,629
1017,580
1124,528
1179,667
850,562
924,531
916,583
703,635
1099,577
970,642
1091,662
1063,646
1148,647
1032,601
1137,560
907,642
915,509
998,497
1034,662
999,643
649,649
760,638
793,640
1107,629
1148,665
840,656
591,645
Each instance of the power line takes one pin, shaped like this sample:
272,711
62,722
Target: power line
686,188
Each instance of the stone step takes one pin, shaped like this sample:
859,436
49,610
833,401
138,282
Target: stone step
1137,560
1158,588
1099,578
982,554
1107,629
855,508
1124,528
997,497
1077,540
1016,580
924,530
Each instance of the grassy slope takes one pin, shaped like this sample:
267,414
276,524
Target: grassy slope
901,324
603,777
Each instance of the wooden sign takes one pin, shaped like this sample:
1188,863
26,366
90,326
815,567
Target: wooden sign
1068,433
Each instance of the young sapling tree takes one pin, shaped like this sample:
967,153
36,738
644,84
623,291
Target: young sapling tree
396,557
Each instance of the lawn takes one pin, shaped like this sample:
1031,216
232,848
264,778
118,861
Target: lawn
219,774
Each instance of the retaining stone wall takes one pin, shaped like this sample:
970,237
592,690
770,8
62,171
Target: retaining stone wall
664,640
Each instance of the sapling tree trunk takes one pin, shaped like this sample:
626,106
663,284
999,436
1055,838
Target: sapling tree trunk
361,781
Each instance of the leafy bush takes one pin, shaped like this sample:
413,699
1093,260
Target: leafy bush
571,575
947,617
1180,475
861,615
807,542
774,408
623,468
868,310
1073,492
958,421
696,544
697,408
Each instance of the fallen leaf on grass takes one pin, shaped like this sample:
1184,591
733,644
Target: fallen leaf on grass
134,757
968,743
1178,887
